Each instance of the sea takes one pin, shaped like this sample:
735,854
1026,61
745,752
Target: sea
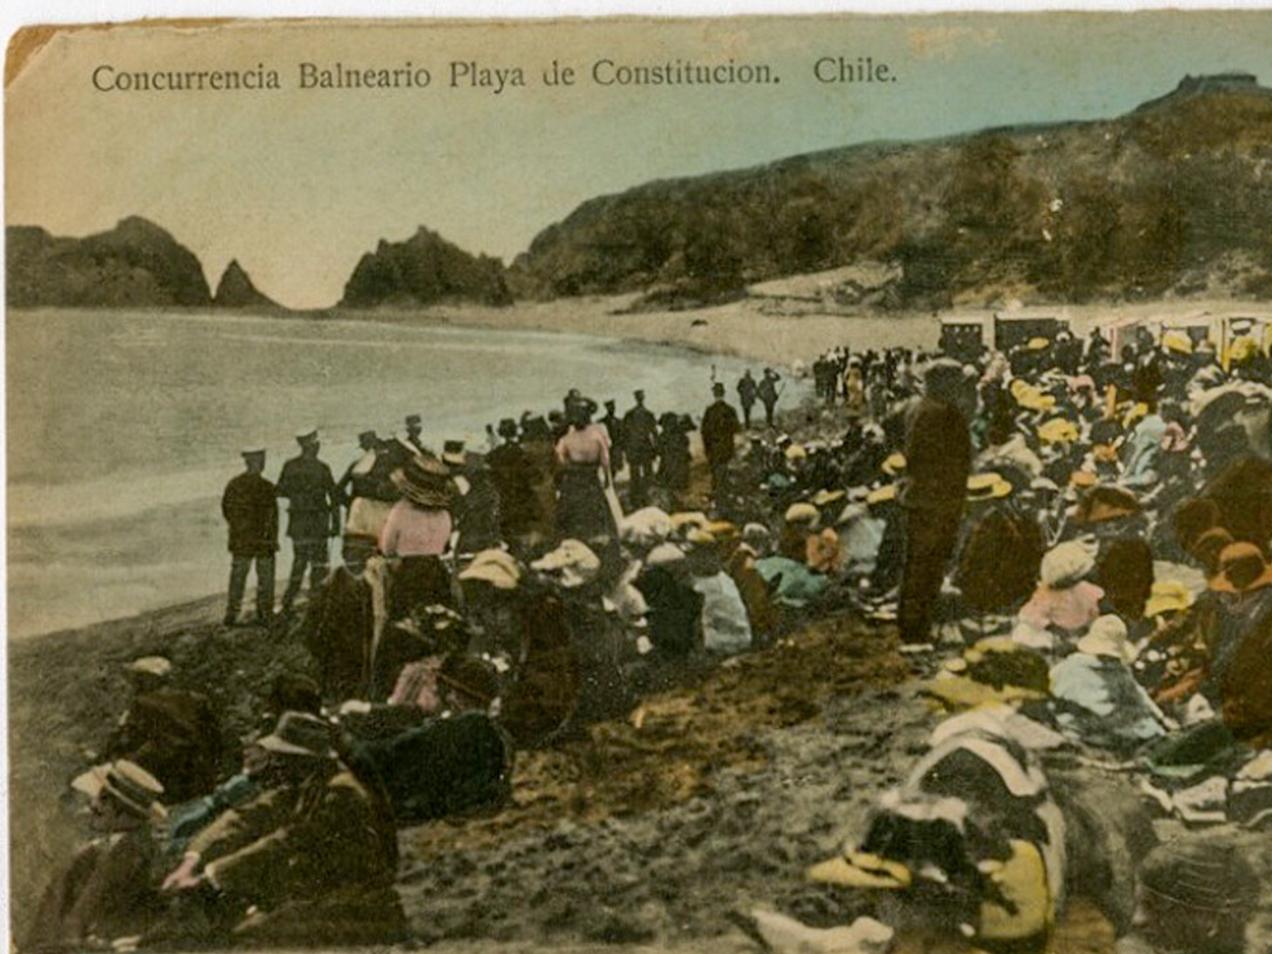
123,428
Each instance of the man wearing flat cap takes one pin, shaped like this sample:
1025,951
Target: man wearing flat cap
313,514
251,511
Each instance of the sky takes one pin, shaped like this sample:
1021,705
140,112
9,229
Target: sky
299,184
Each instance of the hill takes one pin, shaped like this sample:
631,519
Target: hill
1171,198
423,270
136,263
235,290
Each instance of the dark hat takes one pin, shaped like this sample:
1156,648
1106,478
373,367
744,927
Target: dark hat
252,453
717,389
301,734
639,394
412,420
424,481
507,427
611,404
366,434
475,678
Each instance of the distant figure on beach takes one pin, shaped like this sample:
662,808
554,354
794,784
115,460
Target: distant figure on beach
720,426
313,514
640,441
748,391
769,394
250,509
365,489
614,427
414,428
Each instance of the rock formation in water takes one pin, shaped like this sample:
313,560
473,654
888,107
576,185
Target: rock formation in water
423,270
136,263
1172,197
235,290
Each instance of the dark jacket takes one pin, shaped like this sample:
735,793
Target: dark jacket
719,426
314,511
250,509
640,433
938,454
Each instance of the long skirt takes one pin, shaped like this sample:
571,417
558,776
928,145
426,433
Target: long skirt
583,512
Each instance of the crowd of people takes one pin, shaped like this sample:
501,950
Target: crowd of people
1086,533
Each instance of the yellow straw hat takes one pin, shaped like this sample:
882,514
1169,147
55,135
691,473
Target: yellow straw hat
1038,344
1177,342
1058,430
859,869
1168,596
882,494
894,463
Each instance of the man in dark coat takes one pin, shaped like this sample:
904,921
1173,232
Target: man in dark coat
640,435
312,517
748,391
719,427
251,510
614,427
174,734
514,474
769,394
311,858
938,458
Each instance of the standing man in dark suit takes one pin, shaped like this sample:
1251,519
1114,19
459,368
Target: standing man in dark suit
720,425
251,511
640,441
313,514
938,455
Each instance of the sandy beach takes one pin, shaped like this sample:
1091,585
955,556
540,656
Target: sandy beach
784,322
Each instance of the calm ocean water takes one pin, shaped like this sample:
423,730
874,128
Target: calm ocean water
123,428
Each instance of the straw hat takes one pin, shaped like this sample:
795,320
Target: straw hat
801,513
156,666
1083,479
988,486
824,497
1242,569
496,567
646,527
697,537
1107,637
300,734
1058,430
722,529
1037,344
1177,342
132,787
696,518
1067,563
860,869
1168,596
795,452
1100,504
894,463
424,481
664,554
882,494
573,563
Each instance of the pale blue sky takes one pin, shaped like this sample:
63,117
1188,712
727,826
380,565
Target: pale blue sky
297,185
